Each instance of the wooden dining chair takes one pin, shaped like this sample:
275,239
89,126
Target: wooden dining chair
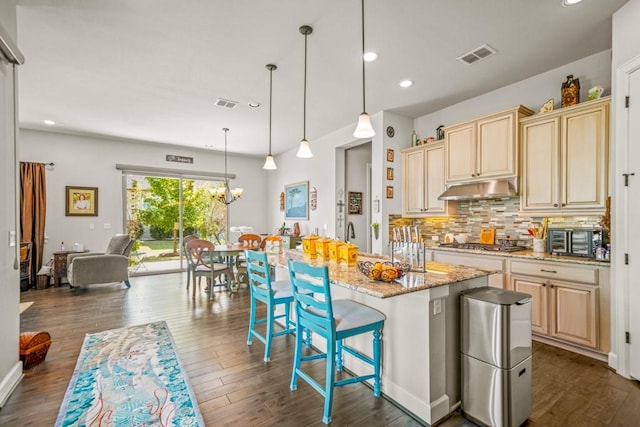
246,241
187,256
333,320
272,244
201,252
271,293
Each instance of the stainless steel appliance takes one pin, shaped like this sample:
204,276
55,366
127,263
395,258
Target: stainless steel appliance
496,385
575,241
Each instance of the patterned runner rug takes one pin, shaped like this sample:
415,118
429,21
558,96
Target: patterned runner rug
129,377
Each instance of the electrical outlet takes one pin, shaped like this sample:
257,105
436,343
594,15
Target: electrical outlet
92,226
437,306
435,238
107,226
12,239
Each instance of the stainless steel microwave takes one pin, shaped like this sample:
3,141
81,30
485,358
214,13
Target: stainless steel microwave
575,241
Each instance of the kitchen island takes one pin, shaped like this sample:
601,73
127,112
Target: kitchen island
420,339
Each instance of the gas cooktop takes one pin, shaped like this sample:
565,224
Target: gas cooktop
481,247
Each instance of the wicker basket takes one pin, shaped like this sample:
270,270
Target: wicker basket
34,347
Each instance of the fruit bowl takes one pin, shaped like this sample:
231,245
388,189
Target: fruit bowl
383,271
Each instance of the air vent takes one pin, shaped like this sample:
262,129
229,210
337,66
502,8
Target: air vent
226,103
477,54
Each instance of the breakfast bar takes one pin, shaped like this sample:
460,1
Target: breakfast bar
420,340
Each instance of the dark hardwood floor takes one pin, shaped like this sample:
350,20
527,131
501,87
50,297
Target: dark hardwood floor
234,387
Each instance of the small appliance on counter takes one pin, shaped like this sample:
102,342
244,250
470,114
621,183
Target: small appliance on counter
583,242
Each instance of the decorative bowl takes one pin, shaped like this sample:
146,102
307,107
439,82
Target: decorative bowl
383,271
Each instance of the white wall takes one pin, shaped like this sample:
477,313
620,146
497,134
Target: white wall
90,162
532,92
10,366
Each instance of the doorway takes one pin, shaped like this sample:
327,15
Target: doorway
357,173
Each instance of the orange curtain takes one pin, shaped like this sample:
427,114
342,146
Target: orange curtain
33,208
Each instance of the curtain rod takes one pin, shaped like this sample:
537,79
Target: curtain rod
9,49
183,173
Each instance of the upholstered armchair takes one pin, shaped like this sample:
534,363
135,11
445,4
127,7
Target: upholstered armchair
109,266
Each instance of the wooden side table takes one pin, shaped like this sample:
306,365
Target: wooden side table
60,265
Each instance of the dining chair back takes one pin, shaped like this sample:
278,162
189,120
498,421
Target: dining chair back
333,320
201,253
248,241
187,256
271,293
272,244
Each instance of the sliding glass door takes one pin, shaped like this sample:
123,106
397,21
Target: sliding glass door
160,211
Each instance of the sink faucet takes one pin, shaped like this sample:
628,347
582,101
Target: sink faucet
351,235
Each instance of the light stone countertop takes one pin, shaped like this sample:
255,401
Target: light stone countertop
438,274
526,254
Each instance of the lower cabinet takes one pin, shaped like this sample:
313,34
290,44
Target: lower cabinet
562,307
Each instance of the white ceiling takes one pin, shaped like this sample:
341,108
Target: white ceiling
151,70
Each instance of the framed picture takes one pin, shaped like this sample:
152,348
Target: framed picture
81,201
355,203
390,155
297,200
389,191
389,174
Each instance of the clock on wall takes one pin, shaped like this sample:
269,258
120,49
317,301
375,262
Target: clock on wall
390,131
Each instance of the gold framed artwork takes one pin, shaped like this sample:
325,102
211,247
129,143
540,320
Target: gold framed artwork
389,191
390,155
355,203
81,201
389,174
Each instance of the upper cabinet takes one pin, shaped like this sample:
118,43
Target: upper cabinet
423,180
484,148
564,160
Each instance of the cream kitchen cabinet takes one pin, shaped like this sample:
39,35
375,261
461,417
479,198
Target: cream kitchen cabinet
484,148
423,180
565,160
569,302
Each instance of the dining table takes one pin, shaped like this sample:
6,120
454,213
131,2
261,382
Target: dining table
229,253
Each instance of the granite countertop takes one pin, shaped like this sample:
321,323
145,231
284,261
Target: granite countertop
526,254
438,274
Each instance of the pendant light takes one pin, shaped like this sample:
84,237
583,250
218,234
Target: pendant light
364,128
270,163
223,194
305,151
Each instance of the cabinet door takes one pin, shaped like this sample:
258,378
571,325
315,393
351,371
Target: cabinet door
496,147
540,155
413,181
538,290
460,146
434,185
574,313
584,154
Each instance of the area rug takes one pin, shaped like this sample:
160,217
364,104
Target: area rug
129,377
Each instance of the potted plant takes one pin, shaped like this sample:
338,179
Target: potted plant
376,229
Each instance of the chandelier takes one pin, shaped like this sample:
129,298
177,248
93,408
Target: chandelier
223,193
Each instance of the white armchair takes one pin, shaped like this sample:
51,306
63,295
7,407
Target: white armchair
101,267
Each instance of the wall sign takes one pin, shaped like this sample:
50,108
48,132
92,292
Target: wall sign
355,203
179,159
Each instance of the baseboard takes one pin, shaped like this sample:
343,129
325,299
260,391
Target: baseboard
580,350
10,382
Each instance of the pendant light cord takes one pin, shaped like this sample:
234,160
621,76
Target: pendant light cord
270,103
304,107
226,180
364,109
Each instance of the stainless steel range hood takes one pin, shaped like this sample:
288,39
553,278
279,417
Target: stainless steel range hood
496,189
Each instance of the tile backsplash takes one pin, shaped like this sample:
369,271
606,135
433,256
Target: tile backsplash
501,214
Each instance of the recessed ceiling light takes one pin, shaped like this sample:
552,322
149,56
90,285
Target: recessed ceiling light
570,2
370,56
406,83
49,122
254,104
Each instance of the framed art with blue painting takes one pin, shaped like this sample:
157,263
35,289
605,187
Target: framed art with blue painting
297,200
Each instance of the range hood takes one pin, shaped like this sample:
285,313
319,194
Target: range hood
495,189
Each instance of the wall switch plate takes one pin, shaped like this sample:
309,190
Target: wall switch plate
12,239
435,238
107,226
437,306
92,226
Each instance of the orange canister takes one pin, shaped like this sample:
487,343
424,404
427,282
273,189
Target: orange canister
309,245
322,248
334,250
348,254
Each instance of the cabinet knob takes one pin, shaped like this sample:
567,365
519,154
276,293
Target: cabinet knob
544,285
555,205
564,204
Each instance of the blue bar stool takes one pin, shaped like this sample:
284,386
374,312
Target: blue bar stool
334,320
271,294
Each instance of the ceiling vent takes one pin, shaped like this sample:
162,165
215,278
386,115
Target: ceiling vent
477,54
226,103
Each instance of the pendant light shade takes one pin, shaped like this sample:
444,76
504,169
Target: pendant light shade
304,151
270,163
363,128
